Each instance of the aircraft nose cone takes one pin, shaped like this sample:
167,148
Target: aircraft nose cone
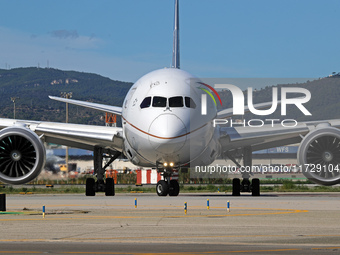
167,133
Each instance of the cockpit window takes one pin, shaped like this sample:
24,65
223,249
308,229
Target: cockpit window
159,102
173,102
176,102
190,103
146,102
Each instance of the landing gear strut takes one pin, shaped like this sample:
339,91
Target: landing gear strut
245,185
167,186
100,185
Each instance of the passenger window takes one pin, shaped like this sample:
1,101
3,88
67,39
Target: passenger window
159,102
190,103
146,102
176,102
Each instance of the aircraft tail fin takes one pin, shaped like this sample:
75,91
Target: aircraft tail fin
175,51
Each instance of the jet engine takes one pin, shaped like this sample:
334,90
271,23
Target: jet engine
22,155
319,155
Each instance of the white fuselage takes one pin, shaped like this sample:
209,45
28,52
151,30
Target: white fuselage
162,121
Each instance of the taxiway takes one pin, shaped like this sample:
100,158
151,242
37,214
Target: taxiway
275,223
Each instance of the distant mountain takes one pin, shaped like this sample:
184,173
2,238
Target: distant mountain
34,85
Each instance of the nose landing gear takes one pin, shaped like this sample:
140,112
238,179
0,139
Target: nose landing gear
174,188
167,186
163,188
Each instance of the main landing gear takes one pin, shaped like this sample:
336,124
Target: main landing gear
100,185
167,186
245,185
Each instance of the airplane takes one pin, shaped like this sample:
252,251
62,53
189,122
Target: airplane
163,127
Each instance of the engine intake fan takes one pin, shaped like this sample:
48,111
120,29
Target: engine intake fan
22,155
319,156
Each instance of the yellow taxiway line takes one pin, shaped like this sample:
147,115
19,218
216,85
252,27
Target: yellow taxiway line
52,217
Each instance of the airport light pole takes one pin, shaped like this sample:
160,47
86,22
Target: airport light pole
13,99
66,95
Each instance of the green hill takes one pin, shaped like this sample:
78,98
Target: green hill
34,85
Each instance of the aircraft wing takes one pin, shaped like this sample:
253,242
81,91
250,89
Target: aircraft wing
101,107
73,135
268,136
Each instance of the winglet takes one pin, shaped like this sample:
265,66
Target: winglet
175,51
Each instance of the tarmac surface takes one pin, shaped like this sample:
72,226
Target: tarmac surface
275,223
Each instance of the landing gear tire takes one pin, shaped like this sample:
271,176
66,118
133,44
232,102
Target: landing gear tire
174,188
236,187
109,187
90,183
255,187
162,188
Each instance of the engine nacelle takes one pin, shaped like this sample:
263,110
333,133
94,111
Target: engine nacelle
22,155
319,156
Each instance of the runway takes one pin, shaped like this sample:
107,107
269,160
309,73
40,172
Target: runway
294,223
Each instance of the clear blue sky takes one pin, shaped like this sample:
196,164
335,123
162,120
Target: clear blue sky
124,40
